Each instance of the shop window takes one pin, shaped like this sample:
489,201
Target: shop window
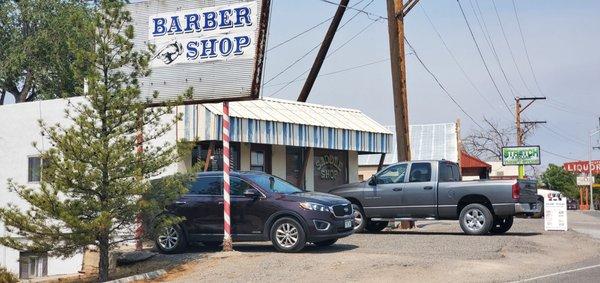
33,265
34,169
215,162
260,158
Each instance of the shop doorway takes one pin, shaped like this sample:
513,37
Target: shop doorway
294,161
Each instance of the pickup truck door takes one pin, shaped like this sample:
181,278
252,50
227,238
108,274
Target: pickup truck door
383,196
419,194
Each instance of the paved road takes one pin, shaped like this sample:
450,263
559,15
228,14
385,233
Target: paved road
586,271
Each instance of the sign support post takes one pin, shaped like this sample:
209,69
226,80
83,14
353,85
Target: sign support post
590,169
227,242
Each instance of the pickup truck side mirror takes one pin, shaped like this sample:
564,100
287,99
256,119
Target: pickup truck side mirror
373,180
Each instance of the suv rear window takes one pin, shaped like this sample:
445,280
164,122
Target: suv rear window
207,186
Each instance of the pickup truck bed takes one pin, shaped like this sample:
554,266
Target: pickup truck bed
433,190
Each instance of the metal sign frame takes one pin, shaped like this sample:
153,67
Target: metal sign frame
248,90
538,162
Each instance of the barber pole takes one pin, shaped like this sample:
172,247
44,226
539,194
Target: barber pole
227,243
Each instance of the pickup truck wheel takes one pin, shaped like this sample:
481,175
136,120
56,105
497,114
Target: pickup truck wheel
376,226
359,218
501,224
476,219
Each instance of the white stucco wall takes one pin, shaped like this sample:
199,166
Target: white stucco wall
310,171
352,166
278,159
245,157
18,129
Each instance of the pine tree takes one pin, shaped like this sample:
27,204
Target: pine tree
93,178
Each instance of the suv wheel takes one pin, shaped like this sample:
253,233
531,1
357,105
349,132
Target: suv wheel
325,243
288,235
359,218
170,239
476,219
501,224
376,226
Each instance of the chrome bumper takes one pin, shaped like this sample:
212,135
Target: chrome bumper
527,208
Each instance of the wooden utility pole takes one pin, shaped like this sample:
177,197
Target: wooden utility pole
395,9
520,132
314,70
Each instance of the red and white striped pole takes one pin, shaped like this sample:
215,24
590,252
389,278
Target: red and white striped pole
227,243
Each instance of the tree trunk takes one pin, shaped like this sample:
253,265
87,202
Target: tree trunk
2,96
104,261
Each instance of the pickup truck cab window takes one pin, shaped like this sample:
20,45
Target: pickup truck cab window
420,172
392,175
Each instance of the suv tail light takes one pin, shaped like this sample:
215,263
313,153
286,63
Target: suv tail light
516,190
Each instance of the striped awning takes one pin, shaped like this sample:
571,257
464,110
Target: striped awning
282,122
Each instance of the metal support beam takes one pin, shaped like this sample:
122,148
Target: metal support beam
314,71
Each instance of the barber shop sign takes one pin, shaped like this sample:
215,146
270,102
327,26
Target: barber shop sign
218,33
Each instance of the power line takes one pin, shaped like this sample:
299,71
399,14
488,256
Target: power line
338,71
563,136
439,83
328,55
525,48
482,58
456,61
313,48
369,14
512,55
299,34
306,30
488,38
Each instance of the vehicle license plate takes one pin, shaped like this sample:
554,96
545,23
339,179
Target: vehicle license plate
348,223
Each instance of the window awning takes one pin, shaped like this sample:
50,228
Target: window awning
283,122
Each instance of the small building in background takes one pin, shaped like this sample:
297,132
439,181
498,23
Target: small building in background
430,142
501,172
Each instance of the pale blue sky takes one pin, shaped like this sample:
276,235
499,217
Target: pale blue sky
561,37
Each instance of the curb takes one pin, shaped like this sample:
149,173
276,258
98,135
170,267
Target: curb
144,276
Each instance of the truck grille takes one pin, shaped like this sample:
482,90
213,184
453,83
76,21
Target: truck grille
342,210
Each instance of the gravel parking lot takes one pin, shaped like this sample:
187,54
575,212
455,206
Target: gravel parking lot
434,251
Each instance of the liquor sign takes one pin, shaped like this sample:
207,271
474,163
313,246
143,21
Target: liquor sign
582,167
216,47
521,155
555,212
585,180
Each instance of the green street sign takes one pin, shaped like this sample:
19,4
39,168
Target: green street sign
521,155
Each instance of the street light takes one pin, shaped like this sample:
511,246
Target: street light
592,133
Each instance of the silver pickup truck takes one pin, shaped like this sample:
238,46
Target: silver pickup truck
434,190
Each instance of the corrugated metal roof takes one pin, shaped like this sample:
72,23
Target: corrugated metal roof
278,110
427,142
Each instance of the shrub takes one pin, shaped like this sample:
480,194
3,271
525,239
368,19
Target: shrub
6,276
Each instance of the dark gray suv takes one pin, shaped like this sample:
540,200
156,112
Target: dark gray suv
263,208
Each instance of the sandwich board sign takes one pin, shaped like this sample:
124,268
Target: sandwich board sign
585,180
555,212
215,47
521,155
